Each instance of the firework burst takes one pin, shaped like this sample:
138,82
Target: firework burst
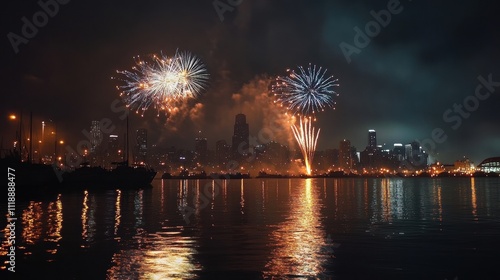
305,92
162,82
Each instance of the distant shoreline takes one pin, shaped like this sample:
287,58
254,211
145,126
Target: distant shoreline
278,176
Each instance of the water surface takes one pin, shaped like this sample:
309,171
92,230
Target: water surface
414,228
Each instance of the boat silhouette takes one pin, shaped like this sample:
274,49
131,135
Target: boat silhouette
123,176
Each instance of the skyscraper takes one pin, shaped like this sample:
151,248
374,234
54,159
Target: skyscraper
241,136
142,145
201,150
95,135
399,151
345,155
372,139
112,151
408,153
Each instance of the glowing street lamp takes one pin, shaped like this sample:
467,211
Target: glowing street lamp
19,142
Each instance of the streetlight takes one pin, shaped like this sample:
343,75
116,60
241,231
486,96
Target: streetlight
61,142
13,117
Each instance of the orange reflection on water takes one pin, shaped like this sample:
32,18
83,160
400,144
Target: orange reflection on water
32,222
386,200
473,198
118,215
299,241
85,209
182,194
163,255
88,218
242,197
54,223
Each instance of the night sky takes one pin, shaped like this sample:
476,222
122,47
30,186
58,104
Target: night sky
427,58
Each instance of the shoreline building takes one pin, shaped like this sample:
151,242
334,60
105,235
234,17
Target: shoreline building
241,137
141,146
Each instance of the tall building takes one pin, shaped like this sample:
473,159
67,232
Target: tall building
372,139
141,145
113,149
399,151
201,150
415,155
95,135
240,144
415,148
222,150
345,155
408,153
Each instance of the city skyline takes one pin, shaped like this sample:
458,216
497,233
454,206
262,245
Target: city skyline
240,137
413,77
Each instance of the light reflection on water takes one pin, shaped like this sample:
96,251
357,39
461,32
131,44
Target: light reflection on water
269,228
88,219
39,222
32,222
161,255
54,224
165,254
118,211
300,239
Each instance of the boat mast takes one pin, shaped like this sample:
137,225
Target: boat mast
127,146
30,159
21,136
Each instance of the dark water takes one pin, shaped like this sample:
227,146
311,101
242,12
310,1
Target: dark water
412,228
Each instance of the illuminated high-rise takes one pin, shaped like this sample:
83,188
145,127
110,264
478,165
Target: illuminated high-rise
240,144
142,145
113,149
95,136
201,150
372,139
399,151
345,155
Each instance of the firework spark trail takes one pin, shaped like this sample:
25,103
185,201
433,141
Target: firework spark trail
162,82
307,140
